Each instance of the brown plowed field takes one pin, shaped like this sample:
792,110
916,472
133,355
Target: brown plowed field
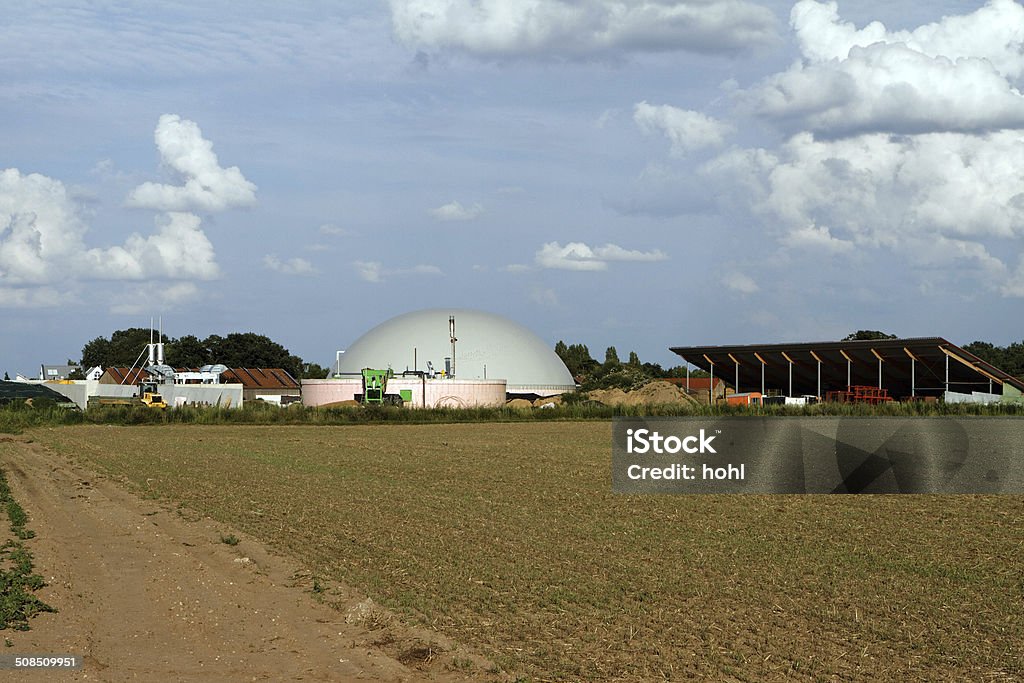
504,538
147,593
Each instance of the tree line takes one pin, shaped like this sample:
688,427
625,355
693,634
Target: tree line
235,350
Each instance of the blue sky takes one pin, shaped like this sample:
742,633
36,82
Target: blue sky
633,173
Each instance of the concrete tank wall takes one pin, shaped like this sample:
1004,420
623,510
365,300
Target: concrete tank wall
432,393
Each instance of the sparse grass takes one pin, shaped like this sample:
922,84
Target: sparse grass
507,538
230,539
18,584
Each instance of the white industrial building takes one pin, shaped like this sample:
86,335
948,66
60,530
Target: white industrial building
467,357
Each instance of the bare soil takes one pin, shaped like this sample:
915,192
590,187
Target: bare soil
145,593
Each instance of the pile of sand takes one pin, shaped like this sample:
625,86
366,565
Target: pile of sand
340,404
652,393
519,403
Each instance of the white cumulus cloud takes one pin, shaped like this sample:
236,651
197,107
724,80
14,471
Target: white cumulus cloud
454,211
42,240
939,198
686,130
579,256
907,141
955,75
43,235
208,186
581,28
178,250
994,32
40,228
292,266
816,237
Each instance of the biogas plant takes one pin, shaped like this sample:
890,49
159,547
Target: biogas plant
436,358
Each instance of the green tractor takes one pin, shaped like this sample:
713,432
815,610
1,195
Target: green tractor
375,387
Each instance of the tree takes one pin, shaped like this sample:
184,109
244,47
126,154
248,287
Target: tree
634,359
1009,359
611,357
122,349
576,358
188,352
251,350
313,371
864,335
7,378
236,350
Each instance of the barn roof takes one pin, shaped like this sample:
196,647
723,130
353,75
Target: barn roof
260,378
251,378
905,367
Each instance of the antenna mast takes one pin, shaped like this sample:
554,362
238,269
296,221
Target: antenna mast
451,332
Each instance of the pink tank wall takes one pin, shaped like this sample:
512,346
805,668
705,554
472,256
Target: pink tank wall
434,393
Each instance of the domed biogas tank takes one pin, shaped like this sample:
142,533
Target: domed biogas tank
488,347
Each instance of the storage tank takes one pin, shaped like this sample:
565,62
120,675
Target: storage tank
421,392
488,347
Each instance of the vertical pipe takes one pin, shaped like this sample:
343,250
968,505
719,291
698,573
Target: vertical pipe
819,379
762,379
947,373
848,385
791,379
913,382
451,328
879,373
736,385
711,387
687,377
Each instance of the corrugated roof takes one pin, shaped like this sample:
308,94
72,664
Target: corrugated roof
250,378
260,378
124,376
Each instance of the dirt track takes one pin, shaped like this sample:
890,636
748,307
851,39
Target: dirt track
145,594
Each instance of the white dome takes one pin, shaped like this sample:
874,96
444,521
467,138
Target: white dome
487,345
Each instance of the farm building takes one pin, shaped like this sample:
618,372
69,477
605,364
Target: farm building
926,368
268,384
484,348
55,373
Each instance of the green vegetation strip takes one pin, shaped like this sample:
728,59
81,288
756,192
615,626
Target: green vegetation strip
506,537
17,417
18,603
